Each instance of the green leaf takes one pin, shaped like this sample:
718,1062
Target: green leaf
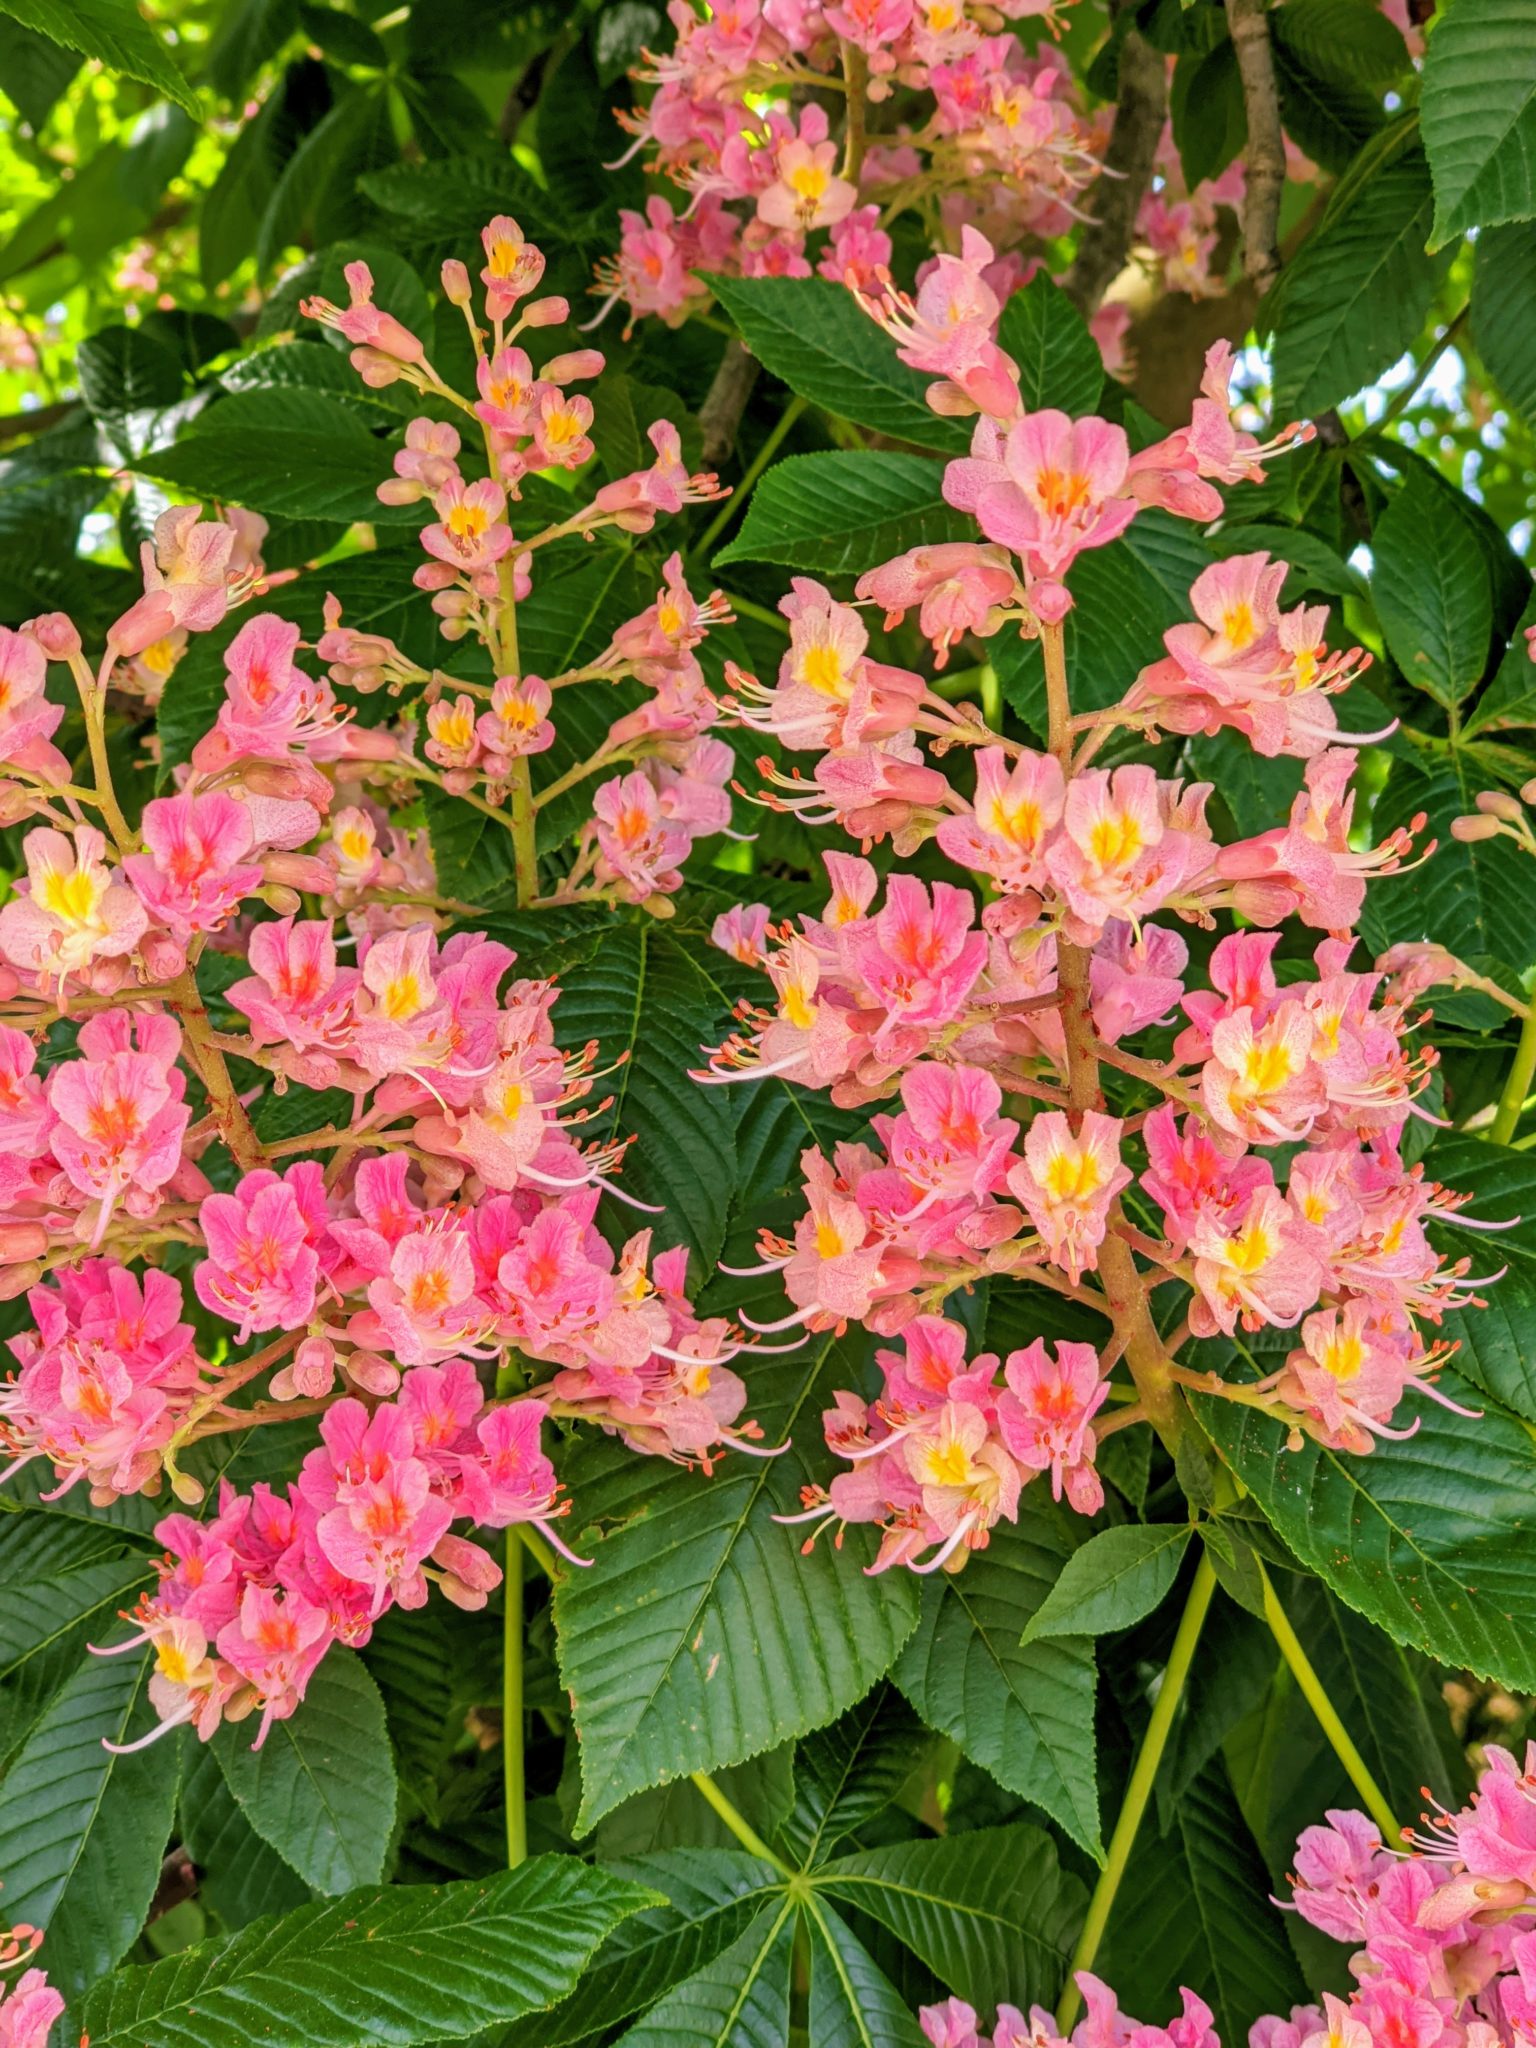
848,1773
299,454
124,371
457,195
1375,1684
1479,114
1330,123
239,1875
1026,1715
406,1964
1193,1908
1205,103
700,1635
711,1897
1480,892
82,1831
1359,290
1127,596
845,511
1117,1577
112,31
1431,1538
1495,1351
45,1624
1504,312
991,1913
248,34
1431,590
813,335
678,1816
853,2004
739,2000
321,1789
342,37
1510,698
1343,42
1058,359
36,71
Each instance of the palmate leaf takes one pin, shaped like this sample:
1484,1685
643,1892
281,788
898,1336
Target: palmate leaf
1495,1351
1479,114
395,1966
991,1913
700,1635
1193,1908
321,1789
844,511
712,1896
82,1831
853,2004
1431,1538
302,454
813,334
739,2000
846,1774
1504,311
241,1877
1023,1713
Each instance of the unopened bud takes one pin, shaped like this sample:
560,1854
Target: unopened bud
16,1280
285,901
188,1491
161,955
55,633
456,286
376,369
399,490
373,1374
299,871
546,313
1470,829
293,780
573,367
1498,803
22,1241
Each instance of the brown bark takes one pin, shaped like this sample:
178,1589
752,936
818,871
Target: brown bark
725,402
1140,110
1248,21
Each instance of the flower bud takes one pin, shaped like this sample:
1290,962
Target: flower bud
456,286
373,1374
1498,803
16,1280
299,871
279,897
547,313
149,620
399,490
188,1491
55,633
22,1241
573,367
377,370
1468,830
161,955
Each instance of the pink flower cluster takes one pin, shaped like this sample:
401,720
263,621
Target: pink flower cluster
772,193
29,2007
1271,1146
1443,1940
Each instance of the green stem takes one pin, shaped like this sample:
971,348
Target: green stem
738,1824
1317,1699
1517,1084
1139,1790
754,470
513,1776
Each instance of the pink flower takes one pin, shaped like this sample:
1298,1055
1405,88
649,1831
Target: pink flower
120,1111
470,533
806,191
950,330
73,913
958,586
513,266
27,719
363,322
192,879
518,722
918,955
1067,1182
262,1269
1045,1415
275,1644
1018,802
30,2008
1048,489
740,930
640,848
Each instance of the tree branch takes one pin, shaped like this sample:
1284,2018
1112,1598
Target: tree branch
1248,21
1141,108
725,402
